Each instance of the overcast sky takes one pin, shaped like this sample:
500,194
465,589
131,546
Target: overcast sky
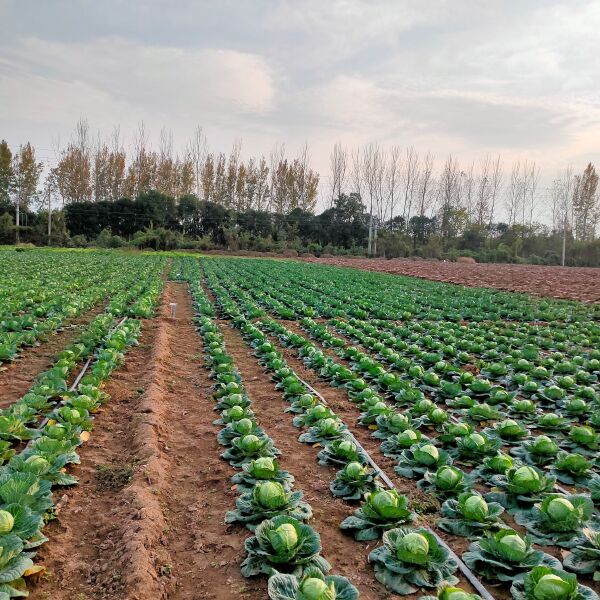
516,77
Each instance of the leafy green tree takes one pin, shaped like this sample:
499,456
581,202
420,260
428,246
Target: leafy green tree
6,175
27,172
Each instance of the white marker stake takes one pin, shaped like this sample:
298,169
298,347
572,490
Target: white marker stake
173,306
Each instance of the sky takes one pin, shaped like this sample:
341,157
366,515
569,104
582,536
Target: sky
520,78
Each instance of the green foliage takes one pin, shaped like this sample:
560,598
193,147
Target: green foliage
313,585
382,510
546,583
410,559
283,545
505,556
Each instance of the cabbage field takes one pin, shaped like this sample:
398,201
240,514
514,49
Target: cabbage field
479,421
232,427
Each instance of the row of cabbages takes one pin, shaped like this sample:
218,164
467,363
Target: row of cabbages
410,558
27,479
54,421
284,547
443,479
44,290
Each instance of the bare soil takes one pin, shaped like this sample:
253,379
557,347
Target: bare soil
16,377
574,283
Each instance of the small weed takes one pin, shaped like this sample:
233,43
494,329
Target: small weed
114,476
166,570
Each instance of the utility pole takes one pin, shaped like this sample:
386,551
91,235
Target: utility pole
49,218
564,241
371,231
17,217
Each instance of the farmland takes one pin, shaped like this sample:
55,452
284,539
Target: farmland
293,431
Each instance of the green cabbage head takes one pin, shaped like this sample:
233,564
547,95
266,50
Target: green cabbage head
559,509
313,588
413,548
387,504
284,538
427,454
270,495
263,468
512,547
549,584
474,508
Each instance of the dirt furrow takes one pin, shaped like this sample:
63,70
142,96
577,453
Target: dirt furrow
195,493
83,555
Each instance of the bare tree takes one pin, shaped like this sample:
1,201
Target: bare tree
514,193
562,194
357,173
276,158
426,185
116,166
373,169
207,178
497,175
262,185
392,180
233,163
481,208
198,150
533,180
410,171
468,192
338,164
101,173
165,179
450,198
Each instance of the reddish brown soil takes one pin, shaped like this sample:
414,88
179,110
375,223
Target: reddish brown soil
575,283
16,377
163,534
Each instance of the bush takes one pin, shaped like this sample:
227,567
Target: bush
7,229
105,239
503,253
78,241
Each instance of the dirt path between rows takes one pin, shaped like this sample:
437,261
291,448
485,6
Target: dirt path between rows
16,377
147,520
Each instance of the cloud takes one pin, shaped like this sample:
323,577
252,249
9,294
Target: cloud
517,77
110,80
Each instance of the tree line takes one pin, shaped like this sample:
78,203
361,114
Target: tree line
380,201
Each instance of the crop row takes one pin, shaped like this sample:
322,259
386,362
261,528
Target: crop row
284,547
328,290
41,432
38,304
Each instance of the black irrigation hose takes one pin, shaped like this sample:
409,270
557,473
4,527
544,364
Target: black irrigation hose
470,576
80,376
